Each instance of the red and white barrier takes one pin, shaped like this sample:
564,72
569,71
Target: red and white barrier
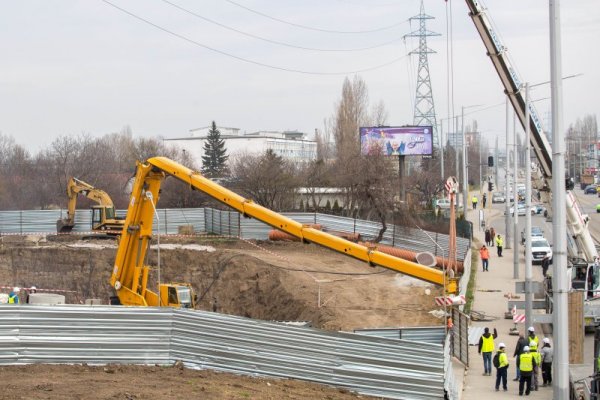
450,300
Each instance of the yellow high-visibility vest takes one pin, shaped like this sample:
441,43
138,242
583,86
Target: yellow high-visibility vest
526,362
488,344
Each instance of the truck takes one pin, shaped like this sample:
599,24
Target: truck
130,274
586,179
582,253
104,218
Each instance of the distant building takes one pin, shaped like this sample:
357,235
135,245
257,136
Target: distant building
290,145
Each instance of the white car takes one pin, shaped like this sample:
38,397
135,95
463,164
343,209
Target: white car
444,204
540,248
498,197
521,210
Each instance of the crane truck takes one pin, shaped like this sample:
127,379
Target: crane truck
583,256
130,275
104,218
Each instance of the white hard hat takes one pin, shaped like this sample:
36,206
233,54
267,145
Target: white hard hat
501,345
33,288
16,289
531,329
526,348
546,340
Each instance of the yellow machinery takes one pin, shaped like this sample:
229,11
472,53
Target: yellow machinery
130,276
103,215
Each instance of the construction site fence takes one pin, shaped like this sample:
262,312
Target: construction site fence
231,223
98,335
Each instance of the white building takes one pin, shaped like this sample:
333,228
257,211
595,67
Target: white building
290,145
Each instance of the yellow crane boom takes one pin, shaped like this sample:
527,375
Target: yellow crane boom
130,276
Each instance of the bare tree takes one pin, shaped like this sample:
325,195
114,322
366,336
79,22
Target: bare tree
268,179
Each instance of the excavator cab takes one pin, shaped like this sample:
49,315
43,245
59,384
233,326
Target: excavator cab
177,295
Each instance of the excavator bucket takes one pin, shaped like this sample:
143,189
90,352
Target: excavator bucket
64,225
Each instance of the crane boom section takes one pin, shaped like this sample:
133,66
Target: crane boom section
128,269
512,85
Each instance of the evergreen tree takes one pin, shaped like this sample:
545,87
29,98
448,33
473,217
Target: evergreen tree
214,160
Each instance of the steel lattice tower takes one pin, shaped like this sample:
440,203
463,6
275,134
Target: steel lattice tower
424,108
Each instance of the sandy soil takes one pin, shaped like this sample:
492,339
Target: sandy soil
265,280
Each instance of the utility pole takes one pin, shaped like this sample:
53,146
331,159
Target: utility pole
516,195
560,282
528,271
507,218
464,164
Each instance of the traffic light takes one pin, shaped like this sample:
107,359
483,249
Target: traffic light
490,186
490,161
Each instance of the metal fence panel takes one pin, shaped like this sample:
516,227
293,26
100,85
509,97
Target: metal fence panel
460,336
230,223
429,334
398,369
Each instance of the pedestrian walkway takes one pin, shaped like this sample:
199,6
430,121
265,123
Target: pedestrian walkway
489,298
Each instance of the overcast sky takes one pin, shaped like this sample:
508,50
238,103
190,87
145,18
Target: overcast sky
84,66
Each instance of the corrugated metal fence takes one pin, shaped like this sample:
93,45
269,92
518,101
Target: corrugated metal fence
400,369
231,223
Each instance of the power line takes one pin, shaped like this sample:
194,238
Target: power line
275,41
312,28
246,60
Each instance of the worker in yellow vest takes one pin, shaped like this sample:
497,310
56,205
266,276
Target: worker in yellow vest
538,361
532,337
13,296
499,244
526,364
474,200
486,348
501,367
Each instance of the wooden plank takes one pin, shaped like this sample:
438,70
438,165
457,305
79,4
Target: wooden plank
576,328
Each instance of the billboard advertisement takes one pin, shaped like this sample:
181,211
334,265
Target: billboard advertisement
390,141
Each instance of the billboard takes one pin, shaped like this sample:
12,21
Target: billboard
405,140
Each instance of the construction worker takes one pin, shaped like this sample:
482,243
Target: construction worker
536,367
13,296
484,200
499,244
547,356
532,336
502,369
485,257
486,348
474,200
526,363
521,343
31,290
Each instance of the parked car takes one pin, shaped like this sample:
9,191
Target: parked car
536,232
444,204
539,209
498,197
590,189
540,248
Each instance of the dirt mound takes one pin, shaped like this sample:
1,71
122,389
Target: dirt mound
264,280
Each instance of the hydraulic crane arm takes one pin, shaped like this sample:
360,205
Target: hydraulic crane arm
130,276
512,86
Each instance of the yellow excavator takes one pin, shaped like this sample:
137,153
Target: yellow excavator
129,277
104,218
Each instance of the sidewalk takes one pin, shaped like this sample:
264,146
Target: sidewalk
489,298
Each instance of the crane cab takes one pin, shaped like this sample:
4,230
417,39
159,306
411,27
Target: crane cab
177,295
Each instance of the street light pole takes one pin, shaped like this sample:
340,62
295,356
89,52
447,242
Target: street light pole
528,271
559,220
464,165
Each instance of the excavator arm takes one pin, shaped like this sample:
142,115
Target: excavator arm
104,218
130,276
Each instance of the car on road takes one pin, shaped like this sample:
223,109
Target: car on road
521,210
590,189
444,204
539,209
536,232
498,197
540,249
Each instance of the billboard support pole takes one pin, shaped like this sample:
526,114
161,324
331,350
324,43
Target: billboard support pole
401,172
